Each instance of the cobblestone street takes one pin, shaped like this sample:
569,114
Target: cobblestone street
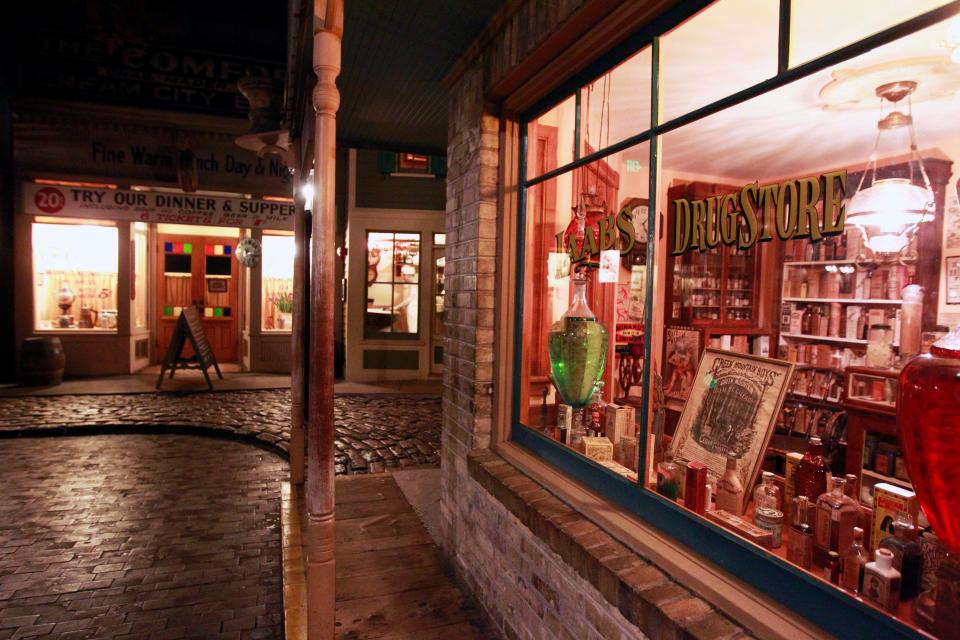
139,537
374,432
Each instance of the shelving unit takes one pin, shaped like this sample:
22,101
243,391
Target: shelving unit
803,336
882,477
857,301
815,263
718,289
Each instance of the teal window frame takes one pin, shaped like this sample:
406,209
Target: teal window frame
825,606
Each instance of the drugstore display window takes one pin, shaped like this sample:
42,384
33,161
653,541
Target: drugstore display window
75,275
802,231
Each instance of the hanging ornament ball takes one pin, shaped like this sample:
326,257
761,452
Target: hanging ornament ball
249,251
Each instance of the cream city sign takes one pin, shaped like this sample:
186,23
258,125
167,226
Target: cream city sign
758,213
152,206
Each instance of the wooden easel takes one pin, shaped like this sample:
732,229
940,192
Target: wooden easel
189,327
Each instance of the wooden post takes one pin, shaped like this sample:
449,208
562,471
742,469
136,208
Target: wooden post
321,583
297,378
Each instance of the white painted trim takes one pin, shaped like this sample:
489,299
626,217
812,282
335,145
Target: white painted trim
359,221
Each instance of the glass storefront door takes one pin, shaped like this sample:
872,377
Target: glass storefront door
200,271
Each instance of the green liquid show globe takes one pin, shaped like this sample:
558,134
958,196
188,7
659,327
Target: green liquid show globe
578,353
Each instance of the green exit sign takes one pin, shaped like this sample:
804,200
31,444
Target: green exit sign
633,166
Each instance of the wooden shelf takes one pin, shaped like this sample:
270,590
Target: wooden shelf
804,365
814,400
864,301
876,475
803,336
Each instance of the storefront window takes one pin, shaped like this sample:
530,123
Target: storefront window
553,138
562,382
277,283
75,276
140,293
821,26
626,86
393,285
801,261
728,46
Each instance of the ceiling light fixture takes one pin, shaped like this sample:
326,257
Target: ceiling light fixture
307,192
889,211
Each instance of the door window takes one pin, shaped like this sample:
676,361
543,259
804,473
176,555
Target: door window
393,285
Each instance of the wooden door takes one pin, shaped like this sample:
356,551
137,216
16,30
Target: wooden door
199,271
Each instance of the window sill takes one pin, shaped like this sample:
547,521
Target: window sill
761,615
75,332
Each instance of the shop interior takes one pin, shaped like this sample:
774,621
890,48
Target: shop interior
842,314
76,276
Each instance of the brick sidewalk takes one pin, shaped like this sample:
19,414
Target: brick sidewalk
139,537
374,432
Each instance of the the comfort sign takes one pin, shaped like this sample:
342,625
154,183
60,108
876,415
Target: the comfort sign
757,213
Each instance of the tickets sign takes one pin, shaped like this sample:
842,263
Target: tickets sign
152,206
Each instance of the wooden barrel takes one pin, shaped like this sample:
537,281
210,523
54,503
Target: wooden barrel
41,362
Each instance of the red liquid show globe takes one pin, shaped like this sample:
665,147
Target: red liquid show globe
928,420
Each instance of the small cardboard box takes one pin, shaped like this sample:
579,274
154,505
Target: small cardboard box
622,470
628,448
888,500
598,449
620,422
742,527
695,487
789,485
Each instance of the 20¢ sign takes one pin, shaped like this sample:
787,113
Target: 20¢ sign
49,200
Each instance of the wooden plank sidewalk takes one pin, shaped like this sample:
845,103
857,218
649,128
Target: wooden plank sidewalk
391,582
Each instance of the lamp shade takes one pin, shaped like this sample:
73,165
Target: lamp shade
887,210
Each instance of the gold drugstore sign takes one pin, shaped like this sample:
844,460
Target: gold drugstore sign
759,213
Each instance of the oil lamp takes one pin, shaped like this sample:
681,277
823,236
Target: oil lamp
889,211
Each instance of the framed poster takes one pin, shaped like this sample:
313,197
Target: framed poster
216,285
681,353
732,407
953,279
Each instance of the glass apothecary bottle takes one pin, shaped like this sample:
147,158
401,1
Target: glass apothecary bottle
578,348
800,542
812,472
730,488
929,428
907,556
766,495
855,558
880,346
837,515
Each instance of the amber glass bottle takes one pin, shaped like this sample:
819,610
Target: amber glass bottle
812,472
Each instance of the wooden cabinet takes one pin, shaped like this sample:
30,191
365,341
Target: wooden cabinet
730,294
871,408
717,288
